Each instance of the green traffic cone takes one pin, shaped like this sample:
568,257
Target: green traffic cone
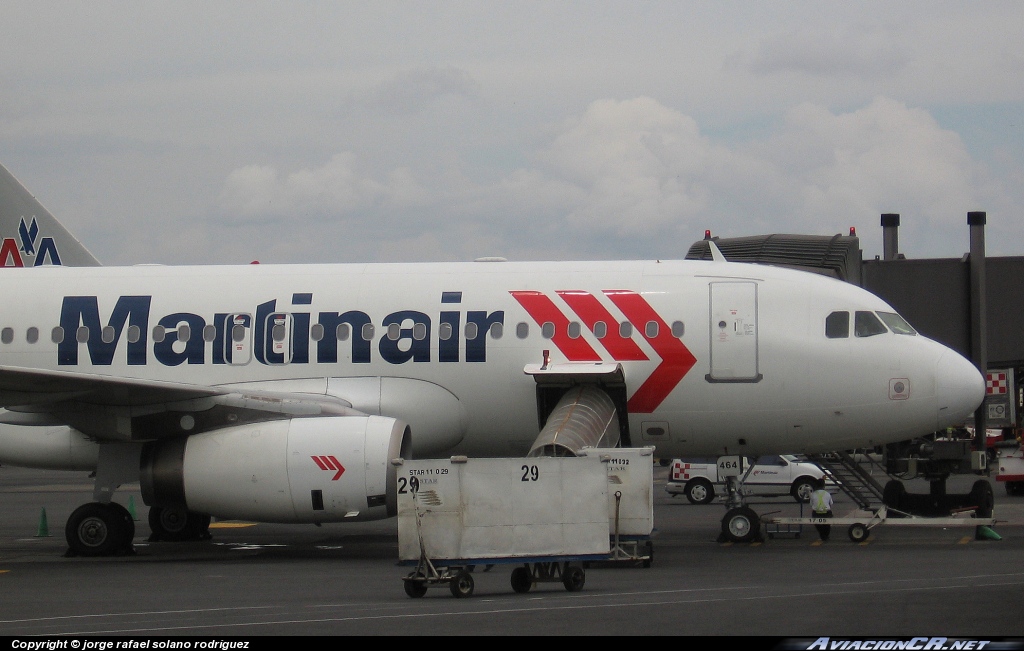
131,508
44,529
986,533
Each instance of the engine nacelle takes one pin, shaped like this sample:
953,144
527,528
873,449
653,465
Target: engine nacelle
57,447
303,470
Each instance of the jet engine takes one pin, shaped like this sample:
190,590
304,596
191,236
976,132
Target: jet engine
302,470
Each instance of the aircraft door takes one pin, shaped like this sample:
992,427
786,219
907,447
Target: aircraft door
278,335
733,330
238,343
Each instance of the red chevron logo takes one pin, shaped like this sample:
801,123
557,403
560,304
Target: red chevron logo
330,463
676,358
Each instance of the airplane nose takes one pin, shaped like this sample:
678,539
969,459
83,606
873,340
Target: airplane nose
960,388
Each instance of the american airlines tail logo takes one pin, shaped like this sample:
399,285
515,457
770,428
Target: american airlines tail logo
330,462
676,358
31,251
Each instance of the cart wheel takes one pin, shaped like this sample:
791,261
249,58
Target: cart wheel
574,578
521,580
462,584
858,532
415,589
650,554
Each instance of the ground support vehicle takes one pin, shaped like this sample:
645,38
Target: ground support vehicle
547,516
701,480
859,527
1010,466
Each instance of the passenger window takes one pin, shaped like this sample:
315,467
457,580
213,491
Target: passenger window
625,329
57,335
82,336
107,334
316,333
278,332
32,335
651,329
547,330
159,332
7,335
497,330
367,332
444,331
600,329
574,330
678,329
866,324
471,330
522,330
341,333
837,325
419,331
135,333
209,333
184,332
394,331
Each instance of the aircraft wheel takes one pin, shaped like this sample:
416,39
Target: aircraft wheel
741,525
894,495
176,525
96,529
982,497
127,524
462,584
802,489
574,578
700,491
521,580
415,588
858,532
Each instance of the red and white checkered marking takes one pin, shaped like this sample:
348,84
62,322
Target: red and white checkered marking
995,383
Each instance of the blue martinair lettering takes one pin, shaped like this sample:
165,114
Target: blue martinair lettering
476,348
327,348
418,350
84,311
193,349
451,321
238,337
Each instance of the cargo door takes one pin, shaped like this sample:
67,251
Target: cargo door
733,330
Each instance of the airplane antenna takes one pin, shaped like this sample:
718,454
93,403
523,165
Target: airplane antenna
716,255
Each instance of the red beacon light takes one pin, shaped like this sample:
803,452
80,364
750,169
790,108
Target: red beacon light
853,231
707,235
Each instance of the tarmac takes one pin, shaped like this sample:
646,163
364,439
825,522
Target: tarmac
254,580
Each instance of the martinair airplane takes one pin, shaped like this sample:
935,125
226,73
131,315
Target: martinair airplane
281,393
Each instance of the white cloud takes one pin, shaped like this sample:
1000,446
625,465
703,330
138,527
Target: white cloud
636,170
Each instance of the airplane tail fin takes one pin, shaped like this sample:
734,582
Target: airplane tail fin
31,236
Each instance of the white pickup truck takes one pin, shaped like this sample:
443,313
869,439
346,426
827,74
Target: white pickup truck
785,474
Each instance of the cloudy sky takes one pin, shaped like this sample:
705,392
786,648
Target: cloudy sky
222,132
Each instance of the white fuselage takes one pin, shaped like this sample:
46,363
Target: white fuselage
721,357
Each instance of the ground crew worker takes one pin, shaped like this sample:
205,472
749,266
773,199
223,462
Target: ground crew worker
821,504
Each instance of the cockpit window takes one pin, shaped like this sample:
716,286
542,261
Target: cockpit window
897,323
837,325
866,324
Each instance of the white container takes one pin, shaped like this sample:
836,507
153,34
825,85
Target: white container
479,509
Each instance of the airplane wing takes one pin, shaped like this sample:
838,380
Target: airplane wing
137,409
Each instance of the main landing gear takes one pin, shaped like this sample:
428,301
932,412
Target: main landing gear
98,529
177,525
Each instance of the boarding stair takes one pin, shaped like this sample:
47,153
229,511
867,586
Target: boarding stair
847,469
